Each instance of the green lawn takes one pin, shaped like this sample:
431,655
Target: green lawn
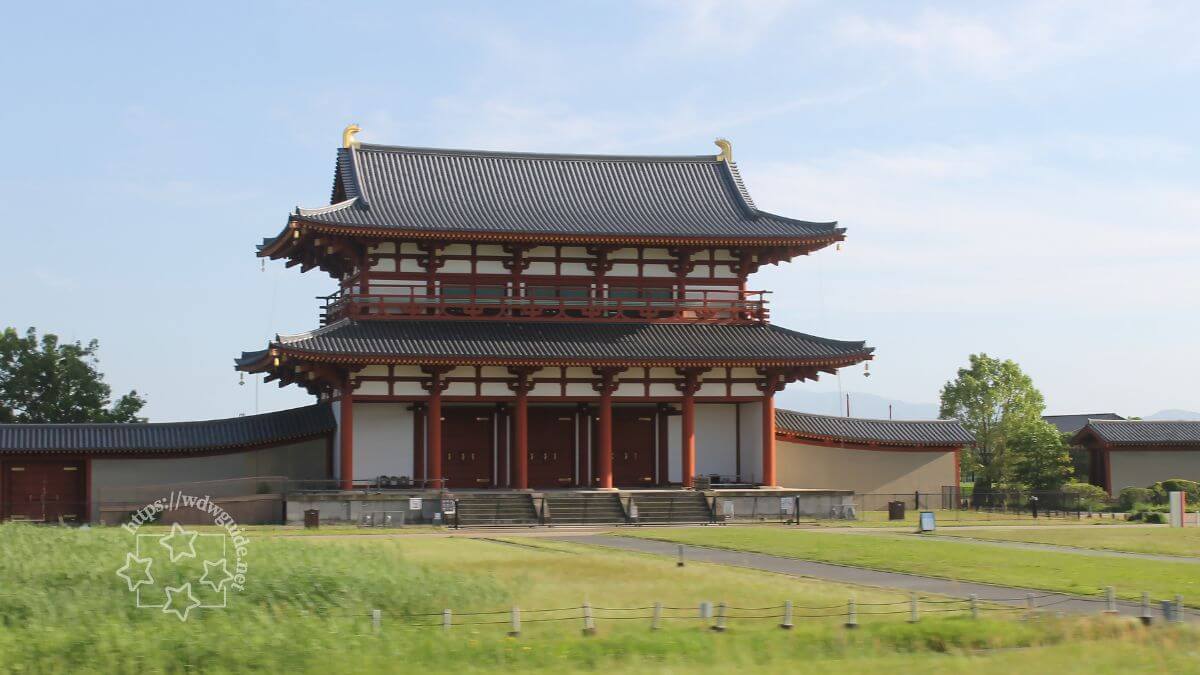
1049,570
964,518
306,604
1143,539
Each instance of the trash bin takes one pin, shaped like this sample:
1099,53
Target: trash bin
312,519
895,510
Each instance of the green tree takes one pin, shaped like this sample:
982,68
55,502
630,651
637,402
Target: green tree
992,399
1041,456
45,381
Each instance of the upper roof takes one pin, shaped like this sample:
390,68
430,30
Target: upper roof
863,430
583,343
1143,432
1069,424
469,191
170,437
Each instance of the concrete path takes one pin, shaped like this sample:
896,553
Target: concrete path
1005,595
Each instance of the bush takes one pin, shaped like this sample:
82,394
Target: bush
1154,517
1084,496
1132,496
1189,487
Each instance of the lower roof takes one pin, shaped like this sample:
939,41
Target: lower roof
583,343
170,437
1143,432
1069,424
863,430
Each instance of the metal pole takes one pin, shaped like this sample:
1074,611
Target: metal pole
851,614
376,620
446,619
974,606
913,615
657,620
720,625
1110,600
516,622
1146,616
787,615
589,626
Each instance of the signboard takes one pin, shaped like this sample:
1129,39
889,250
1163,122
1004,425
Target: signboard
785,504
1178,502
727,506
414,503
928,522
448,506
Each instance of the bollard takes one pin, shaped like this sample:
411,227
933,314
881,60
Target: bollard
376,620
974,606
1028,606
719,626
680,563
1168,610
589,626
1178,609
1146,616
446,619
1110,600
851,614
516,623
913,612
656,621
706,610
787,615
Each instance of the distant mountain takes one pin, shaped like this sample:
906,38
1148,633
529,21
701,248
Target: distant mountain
861,405
1174,415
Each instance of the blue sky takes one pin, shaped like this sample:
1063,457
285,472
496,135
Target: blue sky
1017,178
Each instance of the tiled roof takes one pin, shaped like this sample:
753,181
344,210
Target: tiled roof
208,435
1144,432
568,342
888,432
426,189
1069,424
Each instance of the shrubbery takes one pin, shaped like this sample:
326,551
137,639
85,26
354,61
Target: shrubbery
1086,497
1130,497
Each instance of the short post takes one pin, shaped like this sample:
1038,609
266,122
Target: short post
589,626
851,614
376,620
1110,600
913,611
1146,616
787,615
706,610
1029,605
515,630
719,626
974,606
446,619
1178,609
680,562
656,621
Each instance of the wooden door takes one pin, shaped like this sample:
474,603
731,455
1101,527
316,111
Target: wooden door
467,447
44,491
633,446
551,447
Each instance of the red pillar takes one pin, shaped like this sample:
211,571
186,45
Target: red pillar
604,451
433,425
689,387
768,435
346,431
521,440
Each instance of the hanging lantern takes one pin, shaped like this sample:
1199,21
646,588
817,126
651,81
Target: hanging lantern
866,370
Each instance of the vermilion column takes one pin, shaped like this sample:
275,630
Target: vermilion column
768,431
346,431
689,387
521,386
433,423
604,453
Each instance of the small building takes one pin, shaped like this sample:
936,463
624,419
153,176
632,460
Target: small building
885,458
1139,453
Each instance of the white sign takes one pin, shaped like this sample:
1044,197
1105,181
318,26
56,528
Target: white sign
448,506
928,522
414,503
1178,501
728,508
785,504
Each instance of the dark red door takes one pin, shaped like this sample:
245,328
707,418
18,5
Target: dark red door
551,447
633,446
467,447
44,491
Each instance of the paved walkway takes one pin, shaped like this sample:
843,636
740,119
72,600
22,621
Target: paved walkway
1005,595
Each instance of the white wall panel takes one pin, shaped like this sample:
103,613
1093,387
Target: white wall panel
383,435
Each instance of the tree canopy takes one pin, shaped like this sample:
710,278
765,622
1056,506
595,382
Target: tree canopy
43,380
997,402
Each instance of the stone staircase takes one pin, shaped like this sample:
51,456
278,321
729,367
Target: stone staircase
584,508
483,509
672,507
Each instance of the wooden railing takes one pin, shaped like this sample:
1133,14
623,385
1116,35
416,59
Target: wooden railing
694,306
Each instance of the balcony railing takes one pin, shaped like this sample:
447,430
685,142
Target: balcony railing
693,306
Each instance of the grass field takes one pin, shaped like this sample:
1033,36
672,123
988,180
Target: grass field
1048,570
1142,539
306,604
964,518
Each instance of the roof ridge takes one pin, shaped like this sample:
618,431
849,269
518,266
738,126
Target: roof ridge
142,425
515,154
868,419
316,332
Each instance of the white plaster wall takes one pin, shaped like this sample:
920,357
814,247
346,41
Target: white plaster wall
716,439
383,440
1142,468
751,415
800,465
